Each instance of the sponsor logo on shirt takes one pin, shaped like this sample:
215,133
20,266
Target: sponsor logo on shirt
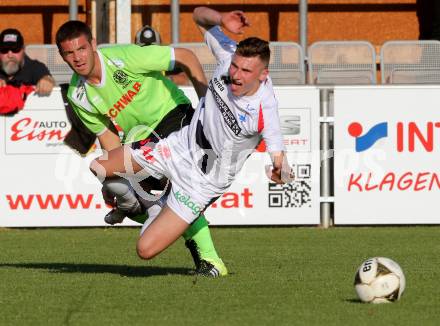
227,115
123,102
188,202
121,78
116,62
250,108
80,91
219,85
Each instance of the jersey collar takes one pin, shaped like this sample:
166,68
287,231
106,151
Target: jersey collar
103,77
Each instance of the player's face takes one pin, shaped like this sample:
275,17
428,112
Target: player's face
246,75
12,60
79,54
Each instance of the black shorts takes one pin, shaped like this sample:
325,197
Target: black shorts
175,120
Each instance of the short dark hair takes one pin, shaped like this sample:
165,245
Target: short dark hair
253,47
70,30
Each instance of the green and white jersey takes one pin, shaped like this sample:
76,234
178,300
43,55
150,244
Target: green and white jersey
133,92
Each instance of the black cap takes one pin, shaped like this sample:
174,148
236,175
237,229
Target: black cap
146,36
11,39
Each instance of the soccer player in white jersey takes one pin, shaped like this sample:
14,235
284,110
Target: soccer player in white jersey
202,159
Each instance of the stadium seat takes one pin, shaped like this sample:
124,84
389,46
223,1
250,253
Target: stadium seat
204,55
410,62
48,54
286,65
342,63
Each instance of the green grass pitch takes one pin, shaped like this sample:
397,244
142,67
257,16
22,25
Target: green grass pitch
278,276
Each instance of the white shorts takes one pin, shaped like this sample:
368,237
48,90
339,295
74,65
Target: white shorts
190,193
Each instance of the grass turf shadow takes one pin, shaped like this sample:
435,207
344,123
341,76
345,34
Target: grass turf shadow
123,270
354,301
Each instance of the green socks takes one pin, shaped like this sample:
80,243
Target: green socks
140,218
199,232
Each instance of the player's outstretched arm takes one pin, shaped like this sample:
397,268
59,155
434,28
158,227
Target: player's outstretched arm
109,140
281,171
233,21
189,63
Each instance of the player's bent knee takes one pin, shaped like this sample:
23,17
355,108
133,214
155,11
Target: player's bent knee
145,252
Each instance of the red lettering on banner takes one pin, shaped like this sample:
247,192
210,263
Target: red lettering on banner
400,137
436,179
299,142
388,180
367,186
261,147
234,200
354,182
20,201
416,134
391,181
246,194
78,201
420,181
21,130
49,201
428,142
230,200
404,180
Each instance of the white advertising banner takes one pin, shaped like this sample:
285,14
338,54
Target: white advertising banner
387,155
44,183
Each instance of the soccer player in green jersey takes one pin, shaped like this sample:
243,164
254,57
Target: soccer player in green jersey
124,84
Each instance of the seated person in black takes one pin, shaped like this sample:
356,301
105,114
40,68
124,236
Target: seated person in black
147,35
17,68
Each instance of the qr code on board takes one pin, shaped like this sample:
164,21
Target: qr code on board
294,194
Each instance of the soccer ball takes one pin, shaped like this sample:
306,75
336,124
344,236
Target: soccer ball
379,280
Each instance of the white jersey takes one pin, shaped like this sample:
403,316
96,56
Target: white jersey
228,127
202,159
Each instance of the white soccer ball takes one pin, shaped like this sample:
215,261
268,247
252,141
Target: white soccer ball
379,280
